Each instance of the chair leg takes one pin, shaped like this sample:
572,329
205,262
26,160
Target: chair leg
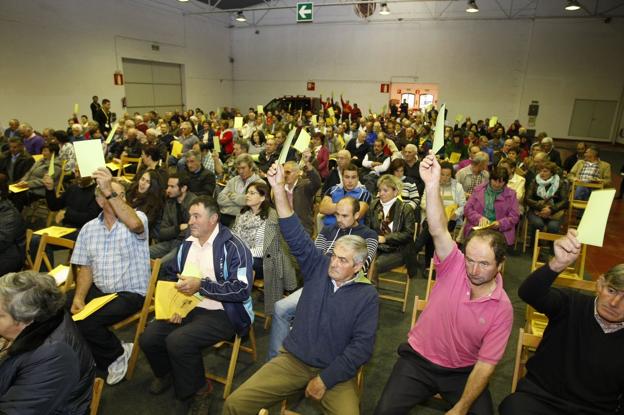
252,341
405,295
267,322
232,367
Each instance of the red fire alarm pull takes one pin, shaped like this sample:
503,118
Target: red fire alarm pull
311,86
118,78
384,88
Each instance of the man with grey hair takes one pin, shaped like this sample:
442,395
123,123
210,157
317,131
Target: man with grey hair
188,140
46,365
33,143
112,255
590,169
201,180
577,367
77,131
338,309
552,154
12,131
476,173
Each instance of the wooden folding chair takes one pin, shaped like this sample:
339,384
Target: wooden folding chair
98,385
29,260
228,380
430,280
42,257
401,281
576,204
127,162
575,271
527,343
140,316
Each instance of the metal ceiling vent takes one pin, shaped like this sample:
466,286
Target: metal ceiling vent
364,9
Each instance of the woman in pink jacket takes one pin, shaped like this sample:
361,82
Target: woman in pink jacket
493,205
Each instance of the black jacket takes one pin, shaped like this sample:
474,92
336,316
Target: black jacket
170,225
403,225
22,164
79,204
202,183
48,370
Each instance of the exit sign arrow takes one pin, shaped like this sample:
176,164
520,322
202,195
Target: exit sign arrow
305,12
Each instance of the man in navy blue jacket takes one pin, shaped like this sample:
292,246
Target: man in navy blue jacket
218,266
334,329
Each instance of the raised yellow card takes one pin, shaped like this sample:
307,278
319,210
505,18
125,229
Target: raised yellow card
60,274
216,144
76,109
176,148
438,136
592,227
303,141
493,121
112,133
454,159
260,109
238,122
89,156
51,167
14,189
93,306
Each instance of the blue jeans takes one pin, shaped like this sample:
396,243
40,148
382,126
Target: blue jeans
283,317
582,193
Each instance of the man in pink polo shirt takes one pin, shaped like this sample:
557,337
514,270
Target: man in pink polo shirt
461,335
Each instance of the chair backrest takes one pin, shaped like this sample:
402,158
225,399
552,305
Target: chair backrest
578,183
576,271
42,256
430,280
527,343
125,161
59,185
419,306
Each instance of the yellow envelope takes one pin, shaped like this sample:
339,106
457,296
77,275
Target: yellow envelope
51,166
438,136
55,231
449,210
14,189
216,143
112,166
592,227
454,159
170,301
303,141
93,306
60,274
176,148
238,122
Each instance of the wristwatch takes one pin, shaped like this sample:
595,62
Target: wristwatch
112,195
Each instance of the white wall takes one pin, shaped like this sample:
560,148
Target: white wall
57,53
483,68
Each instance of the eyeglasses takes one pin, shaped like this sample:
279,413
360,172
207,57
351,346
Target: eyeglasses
480,264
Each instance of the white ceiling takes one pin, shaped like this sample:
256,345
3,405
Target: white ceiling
282,12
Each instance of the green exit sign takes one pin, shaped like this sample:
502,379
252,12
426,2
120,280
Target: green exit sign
305,12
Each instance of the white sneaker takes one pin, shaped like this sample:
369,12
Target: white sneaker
117,370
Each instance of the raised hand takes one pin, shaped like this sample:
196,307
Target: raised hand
429,170
567,250
275,175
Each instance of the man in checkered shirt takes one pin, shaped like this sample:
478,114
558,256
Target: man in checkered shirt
112,255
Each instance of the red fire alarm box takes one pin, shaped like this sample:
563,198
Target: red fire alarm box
118,78
311,86
384,88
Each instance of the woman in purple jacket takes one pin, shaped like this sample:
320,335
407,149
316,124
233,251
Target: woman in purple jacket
493,205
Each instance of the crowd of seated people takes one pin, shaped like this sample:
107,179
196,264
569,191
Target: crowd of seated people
236,215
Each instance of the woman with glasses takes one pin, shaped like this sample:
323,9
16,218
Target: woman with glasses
257,225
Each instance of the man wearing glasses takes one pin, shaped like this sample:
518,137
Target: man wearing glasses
461,335
112,255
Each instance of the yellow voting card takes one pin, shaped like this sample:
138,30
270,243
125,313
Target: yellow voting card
191,270
238,122
459,118
303,141
286,147
216,144
112,166
592,227
170,301
89,156
493,121
438,136
314,120
111,134
260,109
37,157
176,148
55,231
60,274
449,210
93,306
454,159
51,166
330,111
